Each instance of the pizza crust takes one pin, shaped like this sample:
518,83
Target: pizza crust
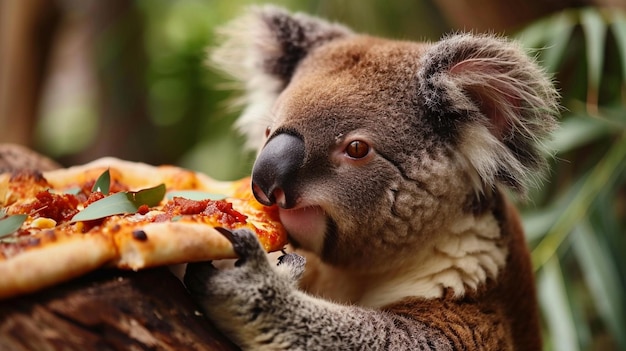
54,263
138,176
177,242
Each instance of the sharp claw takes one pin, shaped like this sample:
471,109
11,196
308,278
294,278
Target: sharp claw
281,258
227,233
235,241
245,244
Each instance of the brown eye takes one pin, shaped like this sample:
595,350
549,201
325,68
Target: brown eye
268,130
357,149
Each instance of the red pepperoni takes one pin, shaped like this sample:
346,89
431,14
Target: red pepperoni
221,210
60,207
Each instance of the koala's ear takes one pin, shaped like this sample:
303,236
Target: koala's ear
489,99
262,50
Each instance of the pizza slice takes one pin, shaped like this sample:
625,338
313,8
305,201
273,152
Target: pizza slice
73,222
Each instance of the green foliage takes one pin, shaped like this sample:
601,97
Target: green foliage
188,110
576,224
187,102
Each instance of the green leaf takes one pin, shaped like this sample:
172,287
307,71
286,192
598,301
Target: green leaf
602,279
195,195
119,203
550,37
103,183
618,28
594,28
558,35
151,196
554,303
604,174
10,224
538,223
578,130
534,35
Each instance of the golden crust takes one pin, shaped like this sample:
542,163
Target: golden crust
137,176
53,263
190,242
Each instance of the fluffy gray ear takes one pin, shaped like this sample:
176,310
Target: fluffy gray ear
493,102
261,50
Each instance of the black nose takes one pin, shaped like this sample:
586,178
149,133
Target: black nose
275,169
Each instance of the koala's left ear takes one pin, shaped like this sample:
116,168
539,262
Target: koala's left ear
484,95
262,50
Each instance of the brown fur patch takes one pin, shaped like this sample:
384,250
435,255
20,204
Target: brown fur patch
502,315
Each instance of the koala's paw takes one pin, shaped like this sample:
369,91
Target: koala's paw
238,294
200,277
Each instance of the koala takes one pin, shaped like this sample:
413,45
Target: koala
390,162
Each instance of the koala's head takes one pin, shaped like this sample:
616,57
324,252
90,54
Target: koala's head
372,147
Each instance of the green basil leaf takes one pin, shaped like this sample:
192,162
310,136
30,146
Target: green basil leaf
151,196
117,203
11,224
103,183
196,195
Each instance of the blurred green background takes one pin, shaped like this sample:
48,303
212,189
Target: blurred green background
85,79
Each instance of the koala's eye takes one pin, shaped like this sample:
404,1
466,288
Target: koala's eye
268,130
357,149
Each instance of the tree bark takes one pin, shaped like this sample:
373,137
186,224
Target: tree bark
109,310
27,29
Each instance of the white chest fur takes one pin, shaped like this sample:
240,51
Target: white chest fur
463,257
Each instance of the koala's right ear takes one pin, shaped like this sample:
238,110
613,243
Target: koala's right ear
261,50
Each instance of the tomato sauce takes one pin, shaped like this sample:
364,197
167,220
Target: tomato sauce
225,212
219,210
60,207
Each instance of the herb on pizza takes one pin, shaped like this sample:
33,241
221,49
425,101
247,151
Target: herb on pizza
103,183
10,224
119,203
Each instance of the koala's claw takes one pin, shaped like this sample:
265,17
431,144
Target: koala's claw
245,243
292,259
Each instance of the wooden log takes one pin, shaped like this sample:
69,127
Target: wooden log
109,310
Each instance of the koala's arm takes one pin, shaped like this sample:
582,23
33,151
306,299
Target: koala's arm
259,307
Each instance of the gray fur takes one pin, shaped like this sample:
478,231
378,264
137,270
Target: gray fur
261,50
256,304
518,103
